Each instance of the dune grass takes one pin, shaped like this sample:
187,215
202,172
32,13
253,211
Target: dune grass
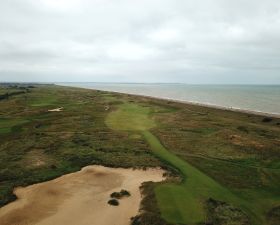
179,203
37,145
228,156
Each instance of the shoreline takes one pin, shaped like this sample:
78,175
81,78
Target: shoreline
211,106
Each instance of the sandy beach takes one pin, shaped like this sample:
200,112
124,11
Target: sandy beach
186,102
79,198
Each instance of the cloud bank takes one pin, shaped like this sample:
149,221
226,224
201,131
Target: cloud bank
190,41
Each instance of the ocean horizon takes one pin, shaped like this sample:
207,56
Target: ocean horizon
255,98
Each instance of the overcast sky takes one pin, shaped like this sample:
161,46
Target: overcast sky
189,41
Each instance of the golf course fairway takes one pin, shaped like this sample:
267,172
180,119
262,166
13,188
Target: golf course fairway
179,203
185,202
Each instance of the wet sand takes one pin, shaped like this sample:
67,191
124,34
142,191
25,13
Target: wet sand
79,198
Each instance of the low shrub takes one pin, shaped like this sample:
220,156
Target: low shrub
113,202
121,194
273,216
124,193
243,129
116,195
267,119
220,213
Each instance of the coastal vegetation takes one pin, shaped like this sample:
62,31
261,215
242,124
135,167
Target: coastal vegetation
228,162
113,202
121,194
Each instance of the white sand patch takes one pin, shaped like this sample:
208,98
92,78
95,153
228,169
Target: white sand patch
56,110
79,198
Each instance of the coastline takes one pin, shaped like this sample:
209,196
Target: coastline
206,105
87,127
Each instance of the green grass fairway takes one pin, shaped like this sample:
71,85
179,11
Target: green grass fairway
7,125
178,203
130,117
184,203
42,99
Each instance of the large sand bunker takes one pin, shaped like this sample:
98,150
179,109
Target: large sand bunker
79,198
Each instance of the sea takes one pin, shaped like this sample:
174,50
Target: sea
255,98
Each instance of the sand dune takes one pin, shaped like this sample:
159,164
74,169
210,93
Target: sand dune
79,198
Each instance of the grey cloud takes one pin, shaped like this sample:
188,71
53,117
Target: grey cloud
205,41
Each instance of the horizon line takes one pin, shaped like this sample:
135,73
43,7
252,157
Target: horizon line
112,82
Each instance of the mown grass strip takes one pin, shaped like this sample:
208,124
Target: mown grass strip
185,202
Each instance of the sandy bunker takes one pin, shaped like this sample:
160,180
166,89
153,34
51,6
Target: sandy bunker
56,110
79,198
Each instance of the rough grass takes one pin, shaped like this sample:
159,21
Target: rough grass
8,125
51,144
185,203
228,156
149,211
42,99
